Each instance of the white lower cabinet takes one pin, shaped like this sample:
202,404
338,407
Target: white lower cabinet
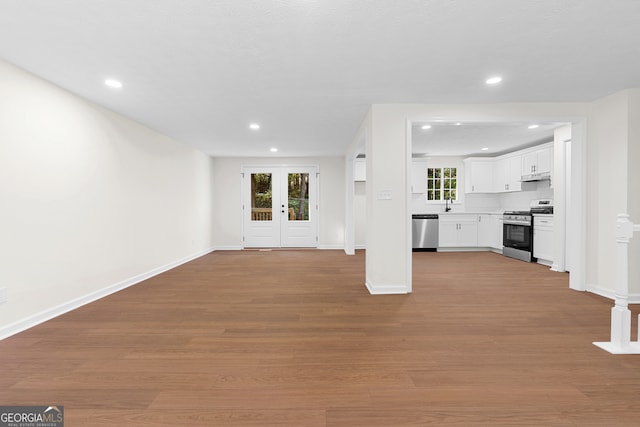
458,231
543,239
487,231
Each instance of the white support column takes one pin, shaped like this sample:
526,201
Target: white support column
620,314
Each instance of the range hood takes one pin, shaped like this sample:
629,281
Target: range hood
539,176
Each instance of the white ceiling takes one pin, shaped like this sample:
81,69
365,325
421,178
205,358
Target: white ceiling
469,139
307,70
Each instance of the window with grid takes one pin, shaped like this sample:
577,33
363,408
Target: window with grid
442,184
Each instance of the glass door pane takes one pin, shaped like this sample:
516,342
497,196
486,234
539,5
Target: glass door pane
261,197
298,197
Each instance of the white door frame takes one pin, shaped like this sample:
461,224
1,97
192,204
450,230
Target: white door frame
314,211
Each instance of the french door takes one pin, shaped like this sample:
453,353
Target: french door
280,207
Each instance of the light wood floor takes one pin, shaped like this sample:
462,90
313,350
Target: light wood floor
292,338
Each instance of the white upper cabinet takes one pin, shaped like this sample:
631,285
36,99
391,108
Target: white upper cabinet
508,172
538,161
478,174
419,176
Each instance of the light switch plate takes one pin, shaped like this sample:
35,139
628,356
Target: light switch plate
384,195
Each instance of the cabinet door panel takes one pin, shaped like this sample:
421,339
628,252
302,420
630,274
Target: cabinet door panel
487,231
478,176
468,234
419,177
448,234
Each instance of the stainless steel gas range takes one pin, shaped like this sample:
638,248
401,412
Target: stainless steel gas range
517,233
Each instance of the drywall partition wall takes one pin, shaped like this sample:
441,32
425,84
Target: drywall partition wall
360,214
633,188
388,256
561,190
228,191
608,183
91,201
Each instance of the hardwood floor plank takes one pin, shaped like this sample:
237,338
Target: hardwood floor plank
200,418
292,338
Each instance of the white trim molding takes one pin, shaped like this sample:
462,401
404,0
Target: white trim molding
620,314
386,289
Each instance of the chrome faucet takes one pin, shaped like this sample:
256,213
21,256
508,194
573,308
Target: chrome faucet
447,208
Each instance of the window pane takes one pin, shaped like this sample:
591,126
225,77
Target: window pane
261,204
429,172
437,173
298,195
437,195
454,195
454,172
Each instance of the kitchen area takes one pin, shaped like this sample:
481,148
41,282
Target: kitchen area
487,187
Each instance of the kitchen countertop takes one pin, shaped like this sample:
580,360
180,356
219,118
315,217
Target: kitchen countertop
473,212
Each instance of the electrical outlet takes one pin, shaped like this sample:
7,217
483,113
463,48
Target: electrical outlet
3,295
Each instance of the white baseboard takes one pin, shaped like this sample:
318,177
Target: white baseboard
48,314
331,247
228,248
607,293
611,294
356,247
385,289
463,249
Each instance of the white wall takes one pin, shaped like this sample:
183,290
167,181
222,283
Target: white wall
90,201
228,215
360,212
615,179
633,191
608,131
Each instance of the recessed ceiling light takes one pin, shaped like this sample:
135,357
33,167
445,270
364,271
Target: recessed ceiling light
274,150
254,126
425,127
493,80
534,126
484,148
113,83
458,124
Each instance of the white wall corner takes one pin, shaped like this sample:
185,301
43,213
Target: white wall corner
50,313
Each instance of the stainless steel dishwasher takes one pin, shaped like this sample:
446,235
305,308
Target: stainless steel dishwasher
425,232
